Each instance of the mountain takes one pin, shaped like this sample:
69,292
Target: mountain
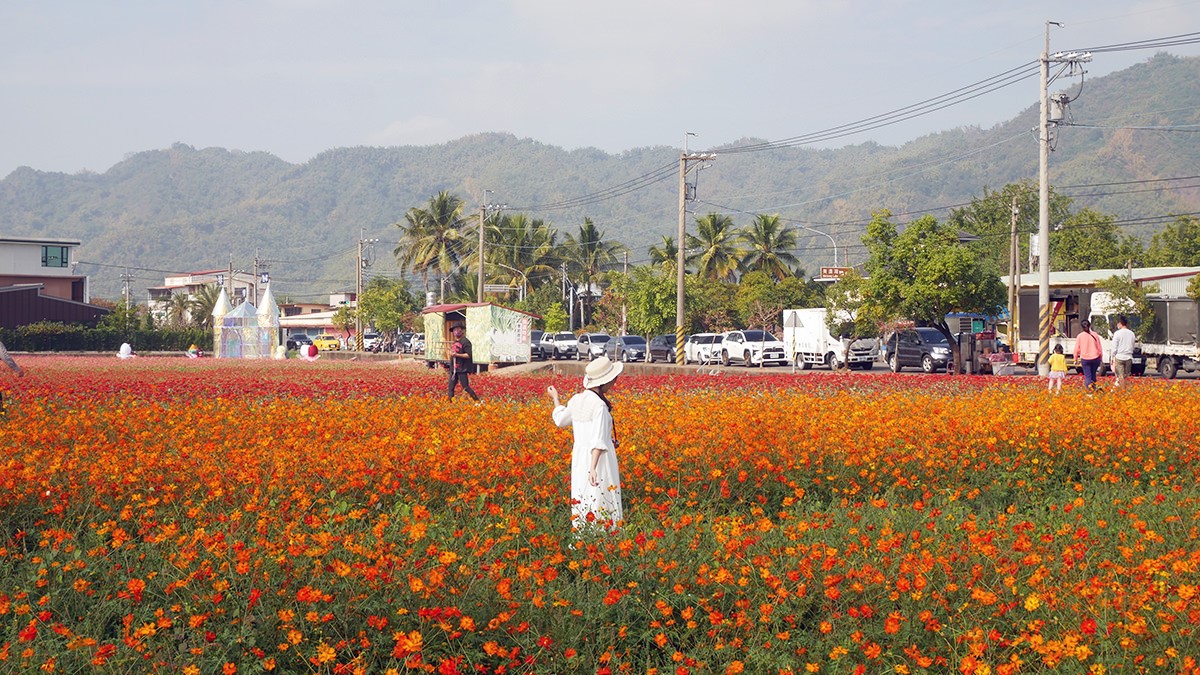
187,209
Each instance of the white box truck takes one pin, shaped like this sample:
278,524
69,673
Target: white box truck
808,342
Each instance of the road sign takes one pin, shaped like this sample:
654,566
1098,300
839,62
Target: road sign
834,272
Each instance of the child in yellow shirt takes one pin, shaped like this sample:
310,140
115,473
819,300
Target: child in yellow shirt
1058,370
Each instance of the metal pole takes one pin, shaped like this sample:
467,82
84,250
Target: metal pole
358,343
1043,365
1014,274
679,259
482,217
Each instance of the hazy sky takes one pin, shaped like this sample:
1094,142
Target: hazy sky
84,83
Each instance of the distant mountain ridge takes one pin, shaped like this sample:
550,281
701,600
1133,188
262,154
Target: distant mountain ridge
182,209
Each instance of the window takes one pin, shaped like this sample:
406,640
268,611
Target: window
54,256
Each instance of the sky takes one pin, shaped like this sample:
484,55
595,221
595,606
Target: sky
83,84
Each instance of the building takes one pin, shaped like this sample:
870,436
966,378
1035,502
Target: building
241,285
38,283
49,262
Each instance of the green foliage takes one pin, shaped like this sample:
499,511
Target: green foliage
1089,240
49,336
123,317
1193,288
1177,245
344,318
849,312
1131,299
716,251
924,273
386,304
760,298
650,294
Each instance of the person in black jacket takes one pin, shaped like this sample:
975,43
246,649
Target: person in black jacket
460,362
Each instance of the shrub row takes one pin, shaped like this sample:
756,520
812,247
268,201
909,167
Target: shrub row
58,337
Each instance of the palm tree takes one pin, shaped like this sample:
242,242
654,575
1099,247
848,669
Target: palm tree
714,248
666,255
518,248
178,310
770,244
433,237
586,257
202,304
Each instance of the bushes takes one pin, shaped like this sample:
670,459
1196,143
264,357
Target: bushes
49,336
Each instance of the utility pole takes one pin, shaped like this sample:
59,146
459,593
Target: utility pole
483,214
624,304
363,263
1072,60
684,158
229,281
1014,275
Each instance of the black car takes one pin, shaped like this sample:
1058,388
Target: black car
662,348
924,348
294,341
535,345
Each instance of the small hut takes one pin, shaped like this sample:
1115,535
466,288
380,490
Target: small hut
498,335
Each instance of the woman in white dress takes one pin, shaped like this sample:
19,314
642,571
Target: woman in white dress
595,476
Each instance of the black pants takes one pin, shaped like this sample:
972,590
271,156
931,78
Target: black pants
466,385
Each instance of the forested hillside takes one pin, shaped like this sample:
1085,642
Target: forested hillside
185,209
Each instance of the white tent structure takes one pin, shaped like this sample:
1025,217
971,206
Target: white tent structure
245,332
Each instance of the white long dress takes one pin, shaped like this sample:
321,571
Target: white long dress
592,423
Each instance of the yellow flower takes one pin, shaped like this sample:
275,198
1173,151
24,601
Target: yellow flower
1032,602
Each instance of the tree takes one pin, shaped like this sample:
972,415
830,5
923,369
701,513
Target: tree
848,314
344,318
433,238
178,310
924,273
203,303
649,292
990,218
667,254
1090,240
758,291
769,245
1177,245
714,248
1130,299
520,250
386,304
587,255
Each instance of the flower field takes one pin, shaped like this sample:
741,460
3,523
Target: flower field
211,517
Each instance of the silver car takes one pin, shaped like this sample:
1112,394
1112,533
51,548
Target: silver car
590,346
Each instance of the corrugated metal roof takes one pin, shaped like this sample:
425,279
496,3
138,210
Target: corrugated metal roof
1092,277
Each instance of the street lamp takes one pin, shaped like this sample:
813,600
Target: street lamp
524,279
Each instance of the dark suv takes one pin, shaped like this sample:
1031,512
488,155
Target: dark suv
924,348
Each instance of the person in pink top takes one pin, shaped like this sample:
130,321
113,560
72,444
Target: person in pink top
1089,353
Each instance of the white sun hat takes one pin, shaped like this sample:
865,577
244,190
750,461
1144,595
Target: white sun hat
601,371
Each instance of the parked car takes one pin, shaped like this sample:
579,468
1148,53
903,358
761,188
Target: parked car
560,345
535,345
751,348
296,340
370,341
922,347
327,343
626,348
662,348
702,348
402,342
416,344
590,345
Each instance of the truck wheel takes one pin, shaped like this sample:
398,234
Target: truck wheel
801,364
1168,368
894,363
831,361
